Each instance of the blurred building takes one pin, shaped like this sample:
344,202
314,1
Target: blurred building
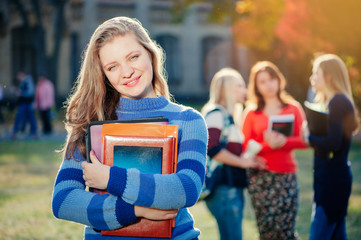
195,48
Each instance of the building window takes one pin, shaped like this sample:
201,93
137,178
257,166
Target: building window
170,44
212,59
74,57
23,54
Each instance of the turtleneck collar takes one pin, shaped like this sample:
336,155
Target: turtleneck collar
142,104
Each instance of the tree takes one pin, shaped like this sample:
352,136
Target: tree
255,25
36,33
329,26
290,32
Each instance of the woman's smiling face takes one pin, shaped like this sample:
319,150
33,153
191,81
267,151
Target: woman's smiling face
128,67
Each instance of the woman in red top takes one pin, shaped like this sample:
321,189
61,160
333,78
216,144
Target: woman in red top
274,191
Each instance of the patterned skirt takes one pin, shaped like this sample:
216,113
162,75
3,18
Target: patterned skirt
274,198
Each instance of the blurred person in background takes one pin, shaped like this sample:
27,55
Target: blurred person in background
25,112
332,173
274,190
44,101
226,202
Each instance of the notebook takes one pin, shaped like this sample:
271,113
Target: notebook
282,124
317,120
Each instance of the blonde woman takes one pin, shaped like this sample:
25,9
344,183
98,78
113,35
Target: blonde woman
274,190
122,78
226,201
332,173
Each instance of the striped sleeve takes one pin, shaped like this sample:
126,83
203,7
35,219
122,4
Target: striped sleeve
71,201
169,191
215,123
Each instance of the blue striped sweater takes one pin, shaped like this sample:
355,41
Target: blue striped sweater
129,187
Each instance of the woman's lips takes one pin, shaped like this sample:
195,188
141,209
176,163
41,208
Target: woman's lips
132,82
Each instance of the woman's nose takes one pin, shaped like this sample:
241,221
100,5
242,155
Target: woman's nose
311,78
127,70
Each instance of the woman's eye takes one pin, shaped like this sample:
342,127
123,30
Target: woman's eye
111,68
134,57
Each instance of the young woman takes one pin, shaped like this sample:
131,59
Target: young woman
122,78
274,191
225,146
332,174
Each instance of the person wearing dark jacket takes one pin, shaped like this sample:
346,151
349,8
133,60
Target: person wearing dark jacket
25,112
332,173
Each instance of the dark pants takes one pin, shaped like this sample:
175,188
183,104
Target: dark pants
25,114
46,121
321,229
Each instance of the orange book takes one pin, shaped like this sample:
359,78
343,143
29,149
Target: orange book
151,148
93,137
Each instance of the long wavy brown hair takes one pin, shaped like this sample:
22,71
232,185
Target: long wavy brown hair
93,98
255,98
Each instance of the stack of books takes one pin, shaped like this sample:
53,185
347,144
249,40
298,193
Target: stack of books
147,144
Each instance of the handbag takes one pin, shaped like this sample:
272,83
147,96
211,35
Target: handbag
214,168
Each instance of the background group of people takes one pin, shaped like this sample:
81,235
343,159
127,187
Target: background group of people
272,184
30,97
122,78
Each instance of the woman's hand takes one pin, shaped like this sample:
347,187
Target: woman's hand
154,213
95,174
274,139
260,163
249,161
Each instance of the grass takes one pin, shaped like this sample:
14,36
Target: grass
27,174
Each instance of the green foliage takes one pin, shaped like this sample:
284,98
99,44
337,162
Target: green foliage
355,78
255,27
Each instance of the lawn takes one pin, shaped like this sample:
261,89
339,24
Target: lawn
27,174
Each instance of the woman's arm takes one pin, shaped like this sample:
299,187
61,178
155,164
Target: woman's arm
170,191
230,153
157,190
339,109
253,127
246,128
155,214
243,161
71,201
